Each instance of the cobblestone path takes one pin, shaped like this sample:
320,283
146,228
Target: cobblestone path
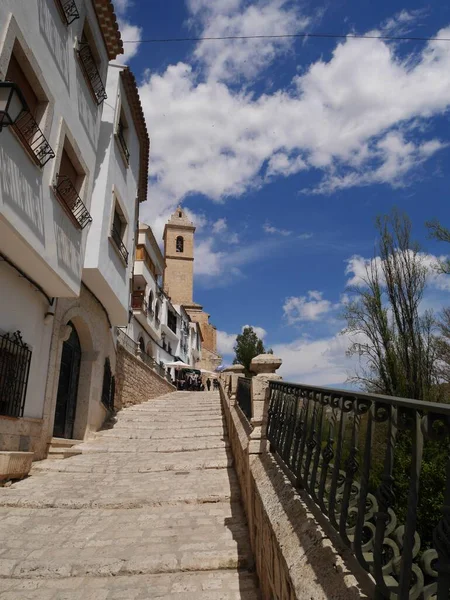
149,510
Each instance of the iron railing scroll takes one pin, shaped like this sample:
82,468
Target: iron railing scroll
244,396
70,10
31,136
68,195
91,71
15,360
117,237
350,452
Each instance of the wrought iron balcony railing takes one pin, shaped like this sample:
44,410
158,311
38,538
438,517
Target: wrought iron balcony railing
123,144
69,10
15,360
244,396
127,342
117,237
35,142
91,71
68,196
379,468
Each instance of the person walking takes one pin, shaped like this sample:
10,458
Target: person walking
208,383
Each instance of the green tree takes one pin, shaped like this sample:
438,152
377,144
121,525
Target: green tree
247,346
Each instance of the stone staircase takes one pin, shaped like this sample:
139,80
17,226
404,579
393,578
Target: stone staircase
148,509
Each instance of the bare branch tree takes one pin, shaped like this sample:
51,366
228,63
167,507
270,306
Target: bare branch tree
395,342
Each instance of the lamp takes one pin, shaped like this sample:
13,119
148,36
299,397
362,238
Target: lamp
12,103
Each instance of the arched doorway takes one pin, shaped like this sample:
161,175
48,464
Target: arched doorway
66,400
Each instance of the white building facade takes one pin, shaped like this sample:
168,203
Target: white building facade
73,172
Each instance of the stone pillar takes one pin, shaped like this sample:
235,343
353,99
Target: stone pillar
264,366
235,371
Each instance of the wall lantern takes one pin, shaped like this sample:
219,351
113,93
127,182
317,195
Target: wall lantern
12,103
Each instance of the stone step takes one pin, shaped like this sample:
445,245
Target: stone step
63,543
161,434
61,452
162,423
196,585
64,442
110,490
138,446
150,462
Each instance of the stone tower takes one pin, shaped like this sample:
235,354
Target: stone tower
179,258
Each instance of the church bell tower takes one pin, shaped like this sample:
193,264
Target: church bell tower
178,238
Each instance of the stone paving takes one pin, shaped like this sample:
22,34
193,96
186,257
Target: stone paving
151,509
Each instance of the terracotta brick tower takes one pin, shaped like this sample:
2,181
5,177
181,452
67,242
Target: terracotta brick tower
179,258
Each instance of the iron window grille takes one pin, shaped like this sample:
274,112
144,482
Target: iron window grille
15,359
68,195
122,142
117,237
91,71
108,389
34,141
69,10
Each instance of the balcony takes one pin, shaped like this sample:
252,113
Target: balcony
69,10
138,302
91,72
116,236
71,201
33,140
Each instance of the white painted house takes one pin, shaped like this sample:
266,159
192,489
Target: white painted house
73,170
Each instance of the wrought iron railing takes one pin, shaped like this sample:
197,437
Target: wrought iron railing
244,396
366,460
117,237
69,10
15,359
31,136
91,71
151,362
126,341
68,195
123,144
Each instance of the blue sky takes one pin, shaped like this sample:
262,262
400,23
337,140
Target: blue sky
285,151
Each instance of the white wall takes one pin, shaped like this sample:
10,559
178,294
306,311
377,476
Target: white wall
23,308
35,232
104,270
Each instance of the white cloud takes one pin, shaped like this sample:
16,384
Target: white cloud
275,230
316,362
357,118
225,342
129,32
220,226
307,308
121,6
243,59
305,236
402,22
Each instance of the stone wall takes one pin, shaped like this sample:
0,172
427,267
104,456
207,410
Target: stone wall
136,382
23,434
296,558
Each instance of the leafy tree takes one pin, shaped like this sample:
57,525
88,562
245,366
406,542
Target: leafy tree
395,340
247,346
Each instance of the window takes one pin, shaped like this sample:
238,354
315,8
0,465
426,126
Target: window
118,231
142,254
27,127
108,389
180,244
172,321
15,359
150,302
122,137
157,309
69,181
180,214
90,64
142,345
